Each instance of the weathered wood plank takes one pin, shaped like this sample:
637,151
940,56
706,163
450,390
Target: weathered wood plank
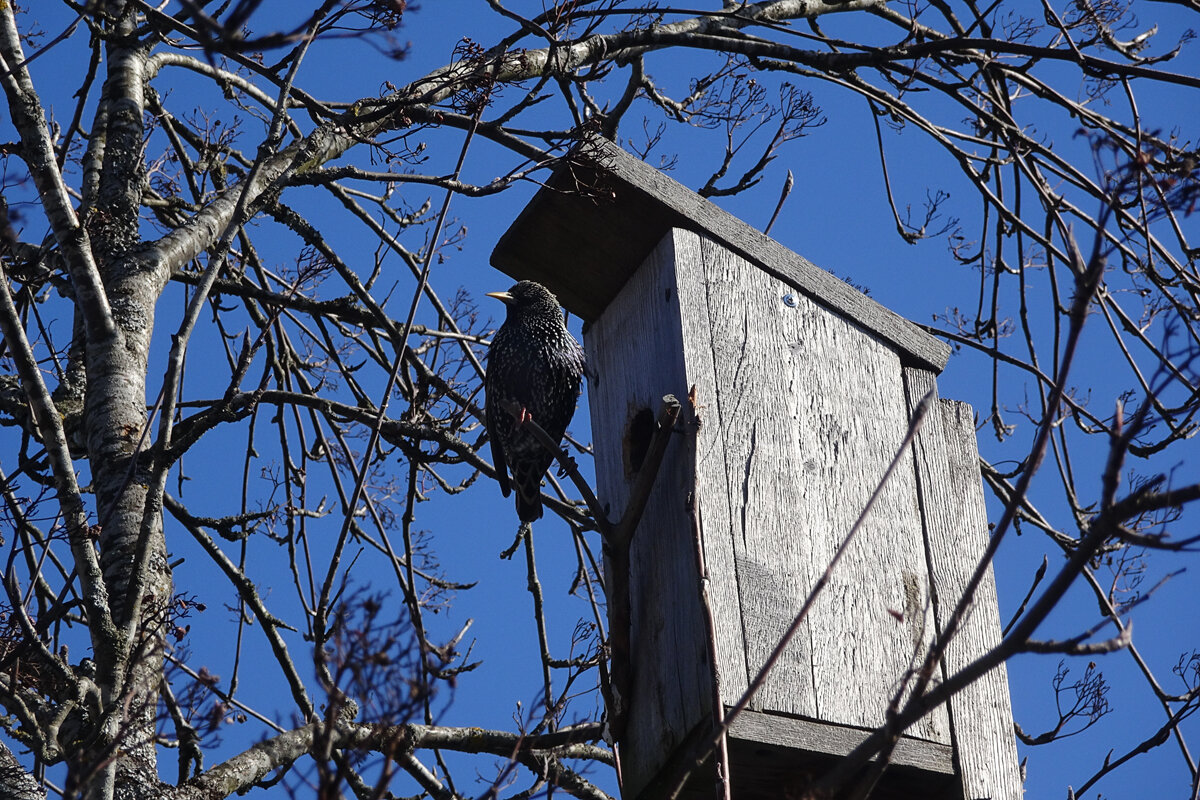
635,356
837,740
951,493
752,400
712,491
778,757
605,236
812,409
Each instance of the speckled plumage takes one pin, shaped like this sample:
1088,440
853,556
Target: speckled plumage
536,363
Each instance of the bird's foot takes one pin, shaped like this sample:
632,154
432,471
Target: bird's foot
517,411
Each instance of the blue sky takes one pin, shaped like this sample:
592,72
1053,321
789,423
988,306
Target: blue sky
836,217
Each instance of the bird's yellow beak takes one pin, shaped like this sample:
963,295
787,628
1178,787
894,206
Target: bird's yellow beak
503,297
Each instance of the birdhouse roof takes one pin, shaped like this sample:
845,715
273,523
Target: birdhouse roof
603,211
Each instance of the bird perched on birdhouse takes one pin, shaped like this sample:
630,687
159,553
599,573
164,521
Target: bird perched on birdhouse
534,370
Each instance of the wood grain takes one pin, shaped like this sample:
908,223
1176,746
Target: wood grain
811,410
951,491
635,356
837,740
711,489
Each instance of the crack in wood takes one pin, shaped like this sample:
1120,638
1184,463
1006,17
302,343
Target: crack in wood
746,479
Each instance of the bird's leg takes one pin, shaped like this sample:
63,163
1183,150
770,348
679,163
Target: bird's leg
518,412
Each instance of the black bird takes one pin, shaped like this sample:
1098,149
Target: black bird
534,366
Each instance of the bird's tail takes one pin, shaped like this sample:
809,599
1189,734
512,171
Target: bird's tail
529,508
529,493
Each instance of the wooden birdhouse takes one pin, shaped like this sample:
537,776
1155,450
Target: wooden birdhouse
797,392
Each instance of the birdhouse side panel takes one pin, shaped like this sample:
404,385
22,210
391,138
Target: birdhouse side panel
956,523
634,355
811,410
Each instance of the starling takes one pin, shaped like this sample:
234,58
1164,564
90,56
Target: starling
535,364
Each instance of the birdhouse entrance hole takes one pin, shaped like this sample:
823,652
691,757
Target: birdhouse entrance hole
637,441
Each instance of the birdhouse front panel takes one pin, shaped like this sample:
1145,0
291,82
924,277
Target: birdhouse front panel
809,409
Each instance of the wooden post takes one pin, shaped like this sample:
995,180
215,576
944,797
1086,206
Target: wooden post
800,393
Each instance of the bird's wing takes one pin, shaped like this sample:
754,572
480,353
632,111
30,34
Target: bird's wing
499,461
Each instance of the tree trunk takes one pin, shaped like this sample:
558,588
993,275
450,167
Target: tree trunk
122,757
